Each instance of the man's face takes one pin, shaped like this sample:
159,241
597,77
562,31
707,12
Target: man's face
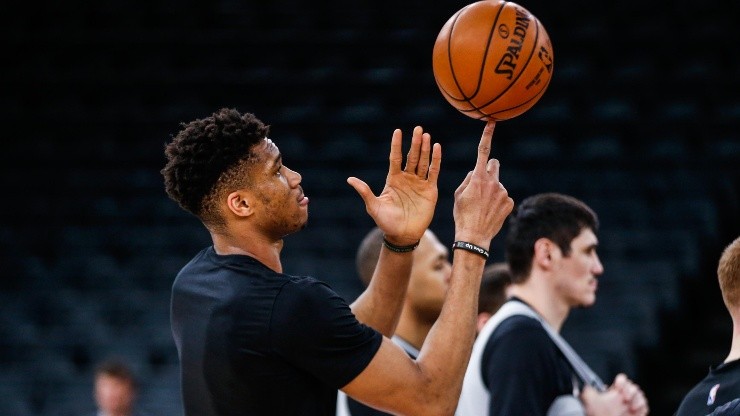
114,395
281,205
430,277
575,275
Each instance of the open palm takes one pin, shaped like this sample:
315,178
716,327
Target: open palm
405,207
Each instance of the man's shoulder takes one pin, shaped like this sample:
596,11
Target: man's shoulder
517,325
305,288
519,336
720,385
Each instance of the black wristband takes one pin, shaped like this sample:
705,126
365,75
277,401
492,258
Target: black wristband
399,249
471,248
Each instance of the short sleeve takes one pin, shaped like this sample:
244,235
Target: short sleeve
314,329
522,370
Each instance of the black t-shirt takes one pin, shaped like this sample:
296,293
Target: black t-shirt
720,387
523,368
255,342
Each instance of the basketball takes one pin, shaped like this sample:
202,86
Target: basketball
493,60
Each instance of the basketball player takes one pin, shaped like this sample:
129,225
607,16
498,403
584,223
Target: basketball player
255,341
516,368
493,291
115,389
719,392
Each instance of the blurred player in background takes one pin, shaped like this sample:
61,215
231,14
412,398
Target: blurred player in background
115,389
719,392
493,291
516,367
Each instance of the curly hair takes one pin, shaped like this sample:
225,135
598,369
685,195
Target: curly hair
557,217
206,156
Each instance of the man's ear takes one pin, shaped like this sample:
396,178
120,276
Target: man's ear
544,252
240,203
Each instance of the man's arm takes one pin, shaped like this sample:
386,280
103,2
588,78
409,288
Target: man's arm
379,306
403,211
431,385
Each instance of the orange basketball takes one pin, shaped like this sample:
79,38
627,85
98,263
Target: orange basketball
493,60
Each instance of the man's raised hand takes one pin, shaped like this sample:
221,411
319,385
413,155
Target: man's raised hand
405,207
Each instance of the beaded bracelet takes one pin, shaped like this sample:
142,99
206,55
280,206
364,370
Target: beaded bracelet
399,249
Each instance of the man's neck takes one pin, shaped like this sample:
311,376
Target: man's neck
540,298
735,347
258,247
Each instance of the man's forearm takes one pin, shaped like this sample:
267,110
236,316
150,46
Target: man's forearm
446,351
379,306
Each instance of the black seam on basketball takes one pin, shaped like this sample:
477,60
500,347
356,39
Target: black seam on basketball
536,97
534,47
449,57
447,94
485,51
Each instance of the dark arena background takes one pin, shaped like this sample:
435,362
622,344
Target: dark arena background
640,121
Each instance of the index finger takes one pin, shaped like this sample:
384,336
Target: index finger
484,147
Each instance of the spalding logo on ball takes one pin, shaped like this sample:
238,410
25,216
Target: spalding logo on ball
493,60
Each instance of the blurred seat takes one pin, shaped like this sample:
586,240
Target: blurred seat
635,70
161,395
673,149
157,272
423,113
599,148
575,70
725,150
551,111
635,314
72,399
692,214
615,110
90,270
14,399
359,111
621,212
654,278
341,147
534,149
679,112
675,246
